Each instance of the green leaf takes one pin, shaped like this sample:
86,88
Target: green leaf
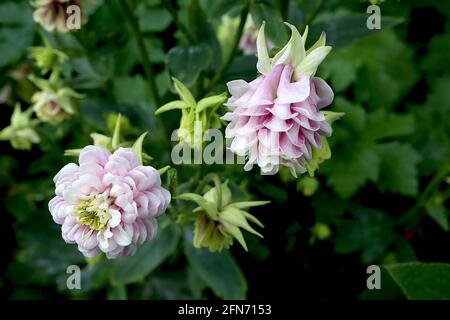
438,213
203,32
41,253
384,58
382,125
359,156
344,30
147,258
398,168
130,90
351,170
178,104
186,62
218,270
16,31
422,281
153,19
435,62
432,122
275,29
370,231
220,8
373,65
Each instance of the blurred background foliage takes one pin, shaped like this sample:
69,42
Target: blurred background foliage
381,199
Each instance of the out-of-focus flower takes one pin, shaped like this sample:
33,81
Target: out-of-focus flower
20,132
219,221
202,112
47,57
276,119
5,93
52,14
226,33
54,103
320,231
108,202
248,40
21,72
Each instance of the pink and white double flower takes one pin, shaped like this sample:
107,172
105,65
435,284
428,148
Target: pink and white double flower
109,202
276,119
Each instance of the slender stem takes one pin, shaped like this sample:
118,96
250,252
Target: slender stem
218,186
413,215
219,74
206,179
285,9
169,7
132,19
313,15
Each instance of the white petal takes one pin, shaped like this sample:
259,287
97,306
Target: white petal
115,218
238,87
121,236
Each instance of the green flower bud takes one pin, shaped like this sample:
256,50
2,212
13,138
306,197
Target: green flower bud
321,231
308,186
196,117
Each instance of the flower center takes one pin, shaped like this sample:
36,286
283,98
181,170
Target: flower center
93,212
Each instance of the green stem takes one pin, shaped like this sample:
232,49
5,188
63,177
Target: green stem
413,215
285,9
176,20
218,186
134,23
219,74
206,179
313,15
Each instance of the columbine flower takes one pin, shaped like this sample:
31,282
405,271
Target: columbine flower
20,132
54,103
248,40
53,107
52,14
219,221
276,119
109,202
